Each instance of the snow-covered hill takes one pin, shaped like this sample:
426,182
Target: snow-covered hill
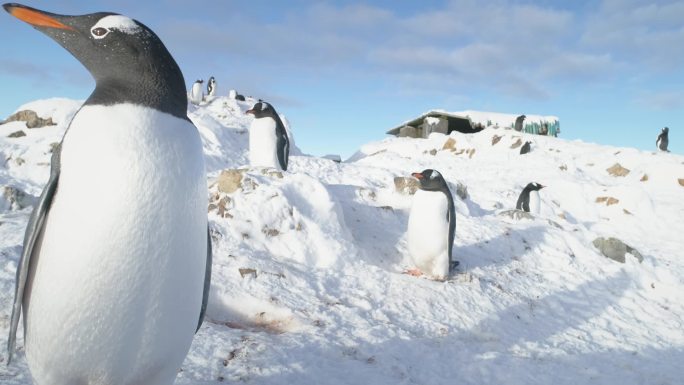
307,281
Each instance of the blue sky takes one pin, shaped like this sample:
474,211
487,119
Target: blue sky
344,72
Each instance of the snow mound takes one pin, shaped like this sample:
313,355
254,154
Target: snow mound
307,282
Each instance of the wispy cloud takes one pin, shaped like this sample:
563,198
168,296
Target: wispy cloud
661,100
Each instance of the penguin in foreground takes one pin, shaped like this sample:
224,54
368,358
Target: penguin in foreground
663,140
269,145
525,148
432,226
114,273
529,198
211,87
196,92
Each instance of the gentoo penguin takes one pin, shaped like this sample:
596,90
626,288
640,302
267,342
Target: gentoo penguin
115,268
211,87
529,198
525,148
432,226
240,97
663,140
268,142
196,92
519,122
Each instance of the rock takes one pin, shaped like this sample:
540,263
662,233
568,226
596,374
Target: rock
617,170
517,143
626,211
608,200
219,202
462,191
270,232
615,249
644,178
272,173
450,144
31,118
516,214
16,199
405,185
433,152
563,168
470,153
17,134
496,139
229,181
247,271
681,181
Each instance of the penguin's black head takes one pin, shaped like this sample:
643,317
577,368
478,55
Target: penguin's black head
211,80
262,110
127,60
200,81
665,130
534,186
430,180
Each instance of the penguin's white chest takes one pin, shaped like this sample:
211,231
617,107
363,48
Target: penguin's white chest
535,202
263,147
116,284
196,93
428,233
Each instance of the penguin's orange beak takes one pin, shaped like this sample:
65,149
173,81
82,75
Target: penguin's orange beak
34,17
249,112
417,175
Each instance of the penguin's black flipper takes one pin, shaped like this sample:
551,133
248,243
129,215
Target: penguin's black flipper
282,142
451,219
207,282
33,232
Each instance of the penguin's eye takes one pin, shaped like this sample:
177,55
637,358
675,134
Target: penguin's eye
99,32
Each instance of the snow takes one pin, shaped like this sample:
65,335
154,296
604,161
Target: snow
308,284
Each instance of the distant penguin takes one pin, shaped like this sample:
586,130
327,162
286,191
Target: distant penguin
269,145
432,226
525,148
115,295
529,198
663,140
211,87
240,97
519,122
196,92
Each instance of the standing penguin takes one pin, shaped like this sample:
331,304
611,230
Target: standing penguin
529,198
196,95
519,123
663,140
211,87
525,148
268,142
432,226
115,295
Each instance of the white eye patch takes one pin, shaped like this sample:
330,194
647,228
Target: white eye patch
264,106
111,22
434,174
